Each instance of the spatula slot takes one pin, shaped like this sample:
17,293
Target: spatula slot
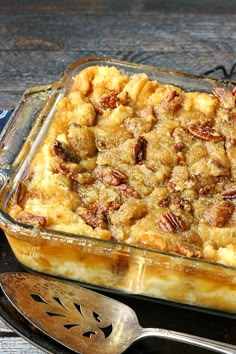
70,325
107,330
53,314
58,300
89,334
79,308
97,316
38,298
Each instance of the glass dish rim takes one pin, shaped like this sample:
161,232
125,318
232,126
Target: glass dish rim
71,238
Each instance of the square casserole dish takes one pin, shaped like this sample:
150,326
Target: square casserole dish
111,264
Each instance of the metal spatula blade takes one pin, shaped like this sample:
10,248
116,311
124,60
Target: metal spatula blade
83,320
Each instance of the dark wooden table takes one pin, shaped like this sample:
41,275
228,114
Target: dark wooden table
38,39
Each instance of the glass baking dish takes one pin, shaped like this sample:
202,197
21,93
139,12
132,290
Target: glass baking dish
107,265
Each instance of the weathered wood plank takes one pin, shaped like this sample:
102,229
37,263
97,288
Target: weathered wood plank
17,345
12,343
142,31
4,328
200,6
35,49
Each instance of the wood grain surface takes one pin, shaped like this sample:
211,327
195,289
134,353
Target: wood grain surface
39,39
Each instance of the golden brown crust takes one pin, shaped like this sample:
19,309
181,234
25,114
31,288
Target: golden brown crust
132,160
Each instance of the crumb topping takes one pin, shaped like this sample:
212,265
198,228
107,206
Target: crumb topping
130,159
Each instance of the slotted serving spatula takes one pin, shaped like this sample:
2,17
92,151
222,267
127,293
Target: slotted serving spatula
83,320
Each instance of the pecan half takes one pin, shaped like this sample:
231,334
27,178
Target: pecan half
170,95
95,215
204,133
91,218
127,190
209,188
112,100
140,149
62,151
171,223
21,193
225,96
111,176
229,193
59,150
219,215
172,101
179,204
35,220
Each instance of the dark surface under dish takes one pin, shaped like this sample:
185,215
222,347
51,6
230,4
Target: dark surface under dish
150,314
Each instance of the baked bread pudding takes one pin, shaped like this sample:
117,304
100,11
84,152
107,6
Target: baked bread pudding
131,160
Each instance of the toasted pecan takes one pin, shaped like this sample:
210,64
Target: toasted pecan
171,222
205,133
219,214
229,193
140,149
